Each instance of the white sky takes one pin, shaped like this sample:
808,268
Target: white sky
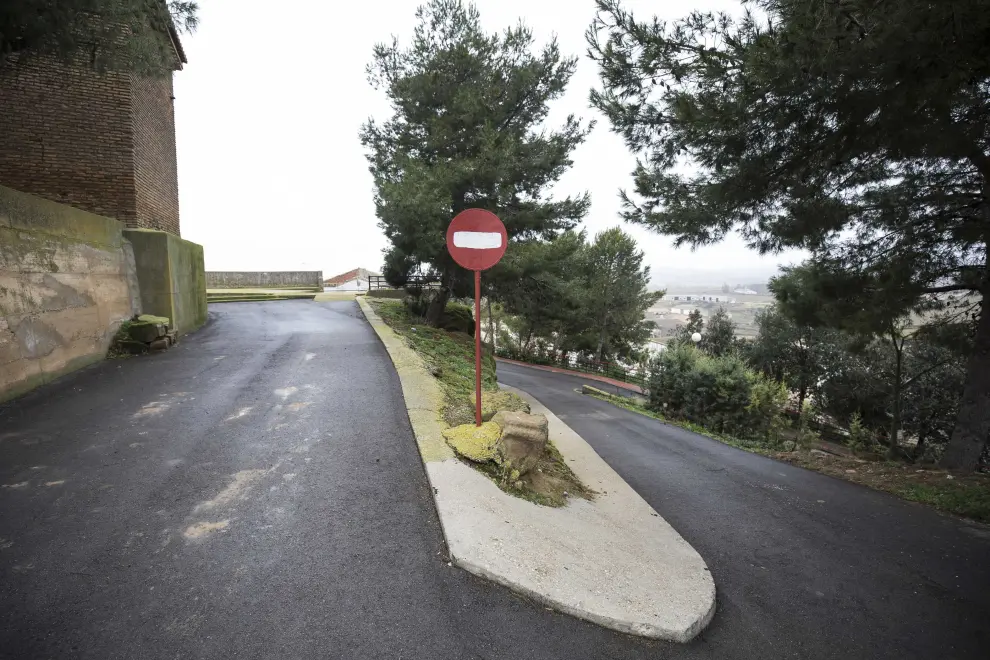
272,175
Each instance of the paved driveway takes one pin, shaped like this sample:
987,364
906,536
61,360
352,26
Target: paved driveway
806,566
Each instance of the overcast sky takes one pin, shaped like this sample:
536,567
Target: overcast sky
272,175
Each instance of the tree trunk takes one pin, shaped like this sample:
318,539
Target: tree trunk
802,394
969,435
895,418
919,449
434,313
491,324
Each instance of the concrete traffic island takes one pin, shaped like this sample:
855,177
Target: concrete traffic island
611,560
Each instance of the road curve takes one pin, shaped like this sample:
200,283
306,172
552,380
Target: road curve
805,566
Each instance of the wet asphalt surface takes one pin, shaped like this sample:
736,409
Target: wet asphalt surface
805,566
256,492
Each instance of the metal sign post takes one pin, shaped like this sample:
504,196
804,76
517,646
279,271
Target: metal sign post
476,240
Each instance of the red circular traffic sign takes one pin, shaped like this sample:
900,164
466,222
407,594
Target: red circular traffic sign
476,239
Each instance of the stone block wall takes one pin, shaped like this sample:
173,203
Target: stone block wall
170,276
68,278
264,279
67,281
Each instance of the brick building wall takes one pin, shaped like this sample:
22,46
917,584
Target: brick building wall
155,171
101,142
66,134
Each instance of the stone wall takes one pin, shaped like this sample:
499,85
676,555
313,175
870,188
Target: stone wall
264,279
67,280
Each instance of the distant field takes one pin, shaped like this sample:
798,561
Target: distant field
742,312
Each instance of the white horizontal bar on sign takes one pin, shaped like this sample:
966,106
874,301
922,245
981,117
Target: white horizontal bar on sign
477,240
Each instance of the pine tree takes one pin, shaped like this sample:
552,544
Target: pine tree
467,130
856,130
799,355
540,282
130,35
695,324
616,296
721,333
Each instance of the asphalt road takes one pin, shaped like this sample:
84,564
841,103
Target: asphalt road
805,566
254,492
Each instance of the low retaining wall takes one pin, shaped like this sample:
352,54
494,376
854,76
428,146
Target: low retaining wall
67,280
170,276
264,279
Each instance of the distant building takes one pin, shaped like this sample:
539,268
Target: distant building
352,280
745,291
690,297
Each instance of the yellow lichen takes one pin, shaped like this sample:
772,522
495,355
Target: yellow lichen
493,402
475,443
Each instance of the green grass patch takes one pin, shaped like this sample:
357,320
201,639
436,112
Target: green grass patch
450,357
962,494
622,402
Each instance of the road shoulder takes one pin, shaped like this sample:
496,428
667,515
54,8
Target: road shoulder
613,560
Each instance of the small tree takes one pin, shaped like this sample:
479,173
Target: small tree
800,355
616,296
695,323
767,401
539,282
718,339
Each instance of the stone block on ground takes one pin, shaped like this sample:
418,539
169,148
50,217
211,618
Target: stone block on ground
146,331
151,318
158,345
475,443
523,439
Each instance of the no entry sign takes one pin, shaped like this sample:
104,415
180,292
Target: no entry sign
476,239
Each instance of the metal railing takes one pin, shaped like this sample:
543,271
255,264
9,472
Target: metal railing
604,368
413,282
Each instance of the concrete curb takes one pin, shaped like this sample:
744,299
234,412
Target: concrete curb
613,561
580,374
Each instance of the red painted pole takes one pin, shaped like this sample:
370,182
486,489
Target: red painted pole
477,348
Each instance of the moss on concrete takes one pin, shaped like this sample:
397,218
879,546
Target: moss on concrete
23,211
475,443
171,277
151,318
